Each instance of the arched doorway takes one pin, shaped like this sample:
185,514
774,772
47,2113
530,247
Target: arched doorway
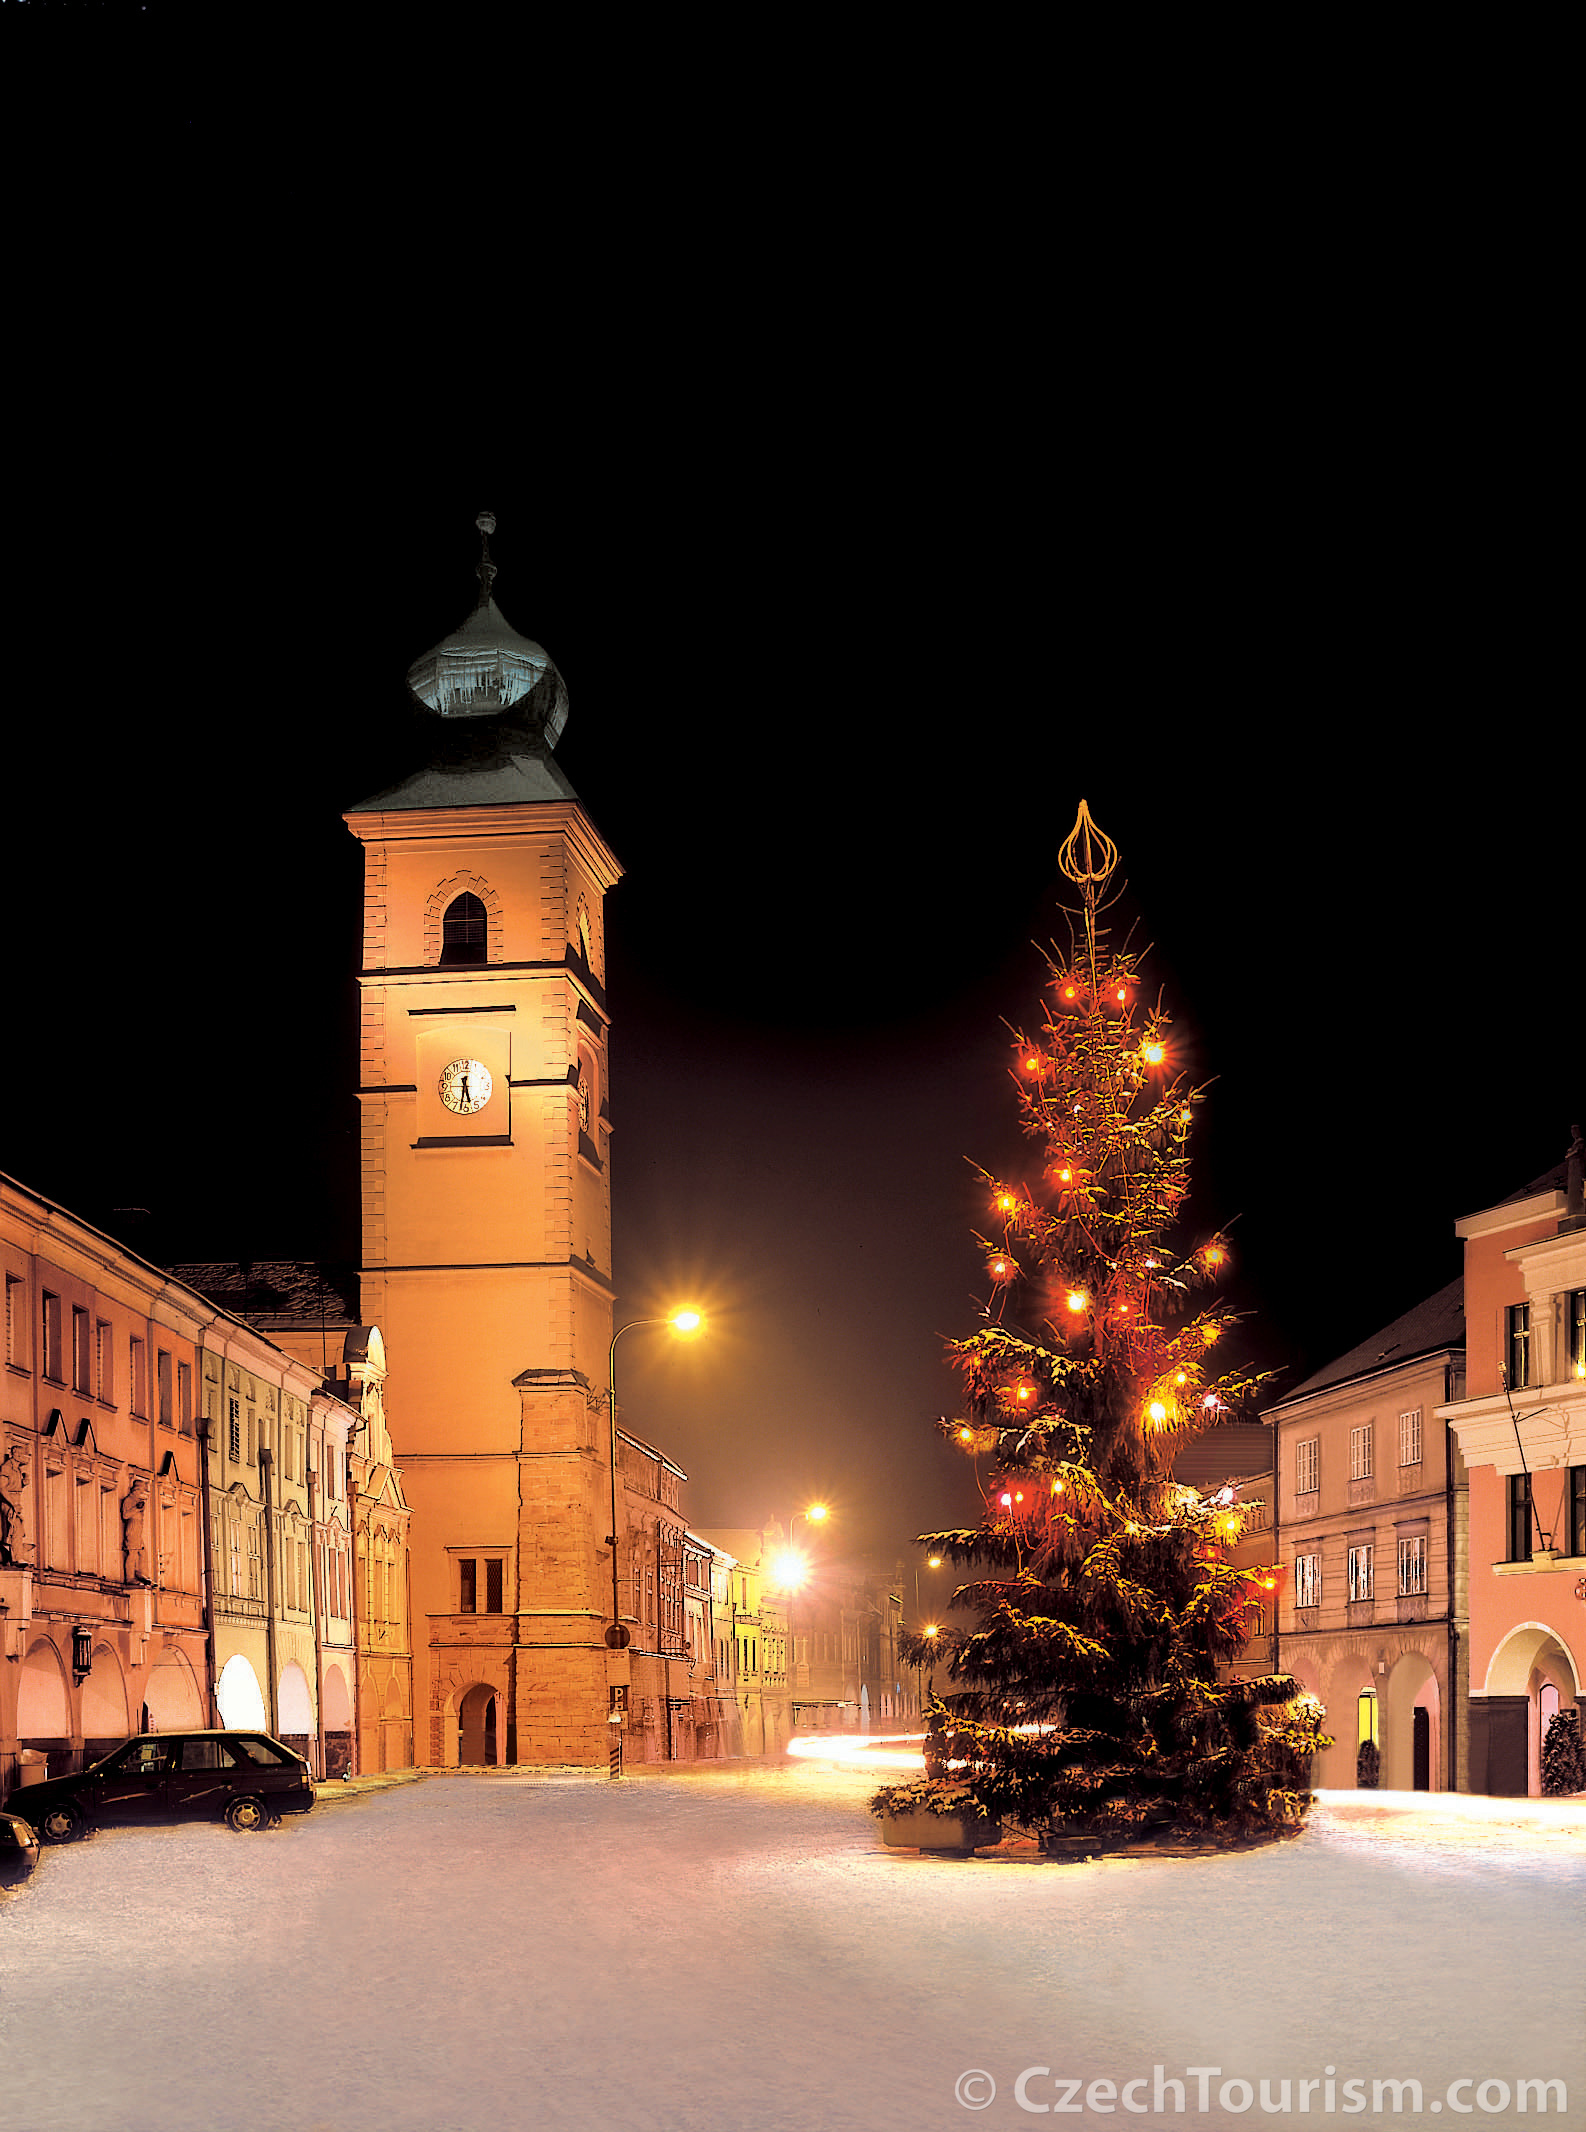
1411,1726
477,1732
238,1694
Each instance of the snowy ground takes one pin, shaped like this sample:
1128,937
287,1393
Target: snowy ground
733,1949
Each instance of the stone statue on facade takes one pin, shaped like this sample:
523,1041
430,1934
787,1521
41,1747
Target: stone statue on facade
134,1533
16,1543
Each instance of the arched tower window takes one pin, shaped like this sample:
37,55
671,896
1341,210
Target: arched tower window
463,936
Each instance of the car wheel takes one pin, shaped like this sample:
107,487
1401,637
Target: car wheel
61,1824
247,1814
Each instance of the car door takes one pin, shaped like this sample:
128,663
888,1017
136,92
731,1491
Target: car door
131,1786
202,1778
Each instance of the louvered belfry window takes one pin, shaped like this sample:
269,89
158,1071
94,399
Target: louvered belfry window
463,931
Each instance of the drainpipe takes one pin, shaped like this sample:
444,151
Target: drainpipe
209,1571
314,1597
265,1462
1449,1452
352,1604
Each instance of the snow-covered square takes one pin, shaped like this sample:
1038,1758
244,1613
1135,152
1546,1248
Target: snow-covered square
731,1949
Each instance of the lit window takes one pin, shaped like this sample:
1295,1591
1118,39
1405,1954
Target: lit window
1518,1323
1307,1580
1410,1438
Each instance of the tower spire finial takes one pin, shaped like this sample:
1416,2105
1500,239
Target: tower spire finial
486,571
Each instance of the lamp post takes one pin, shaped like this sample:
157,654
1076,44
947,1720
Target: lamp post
617,1637
931,1562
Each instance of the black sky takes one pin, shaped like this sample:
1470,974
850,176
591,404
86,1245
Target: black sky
869,536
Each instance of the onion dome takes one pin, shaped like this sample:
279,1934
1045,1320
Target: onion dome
485,668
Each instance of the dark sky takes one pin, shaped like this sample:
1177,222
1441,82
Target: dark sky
870,531
836,751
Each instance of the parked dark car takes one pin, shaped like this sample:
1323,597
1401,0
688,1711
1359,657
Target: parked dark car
244,1778
19,1848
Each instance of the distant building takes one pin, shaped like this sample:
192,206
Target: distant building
1521,1426
1238,1456
1371,1510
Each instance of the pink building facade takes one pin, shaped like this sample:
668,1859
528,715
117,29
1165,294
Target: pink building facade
1521,1428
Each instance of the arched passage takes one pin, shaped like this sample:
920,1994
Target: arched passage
1411,1719
1507,1715
238,1694
44,1718
295,1703
105,1720
172,1696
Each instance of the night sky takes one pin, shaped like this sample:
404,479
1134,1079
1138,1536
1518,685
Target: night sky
837,772
866,549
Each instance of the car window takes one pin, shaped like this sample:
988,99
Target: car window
144,1758
260,1751
207,1754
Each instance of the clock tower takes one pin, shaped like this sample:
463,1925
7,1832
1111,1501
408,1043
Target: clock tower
486,1256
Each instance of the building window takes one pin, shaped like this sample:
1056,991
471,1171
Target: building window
1412,1566
1307,1580
50,1336
234,1431
467,1588
139,1388
1410,1438
1518,1333
184,1397
162,1367
463,935
1360,1574
81,1381
14,1342
493,1572
1360,1453
1577,1510
1519,1517
1307,1465
104,1364
1575,1331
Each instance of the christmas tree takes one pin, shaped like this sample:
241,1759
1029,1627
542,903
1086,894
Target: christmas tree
1563,1756
1091,1693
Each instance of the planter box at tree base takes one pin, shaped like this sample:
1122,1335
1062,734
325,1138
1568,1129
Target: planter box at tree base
955,1833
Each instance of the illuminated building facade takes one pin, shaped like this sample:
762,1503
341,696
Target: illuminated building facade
1521,1427
486,1211
1371,1544
174,1548
101,1508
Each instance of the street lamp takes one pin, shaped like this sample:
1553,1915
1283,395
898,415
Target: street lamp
789,1573
618,1638
931,1562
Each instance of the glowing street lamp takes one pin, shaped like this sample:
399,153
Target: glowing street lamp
685,1322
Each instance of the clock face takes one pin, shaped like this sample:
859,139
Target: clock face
465,1086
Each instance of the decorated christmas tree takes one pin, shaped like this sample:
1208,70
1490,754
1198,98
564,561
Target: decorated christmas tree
1088,1686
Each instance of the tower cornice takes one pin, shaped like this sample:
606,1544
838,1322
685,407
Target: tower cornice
479,825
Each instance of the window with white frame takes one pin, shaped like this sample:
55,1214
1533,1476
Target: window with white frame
1360,1453
1517,1331
1307,1465
1410,1438
1360,1573
1412,1565
1307,1580
1575,1331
